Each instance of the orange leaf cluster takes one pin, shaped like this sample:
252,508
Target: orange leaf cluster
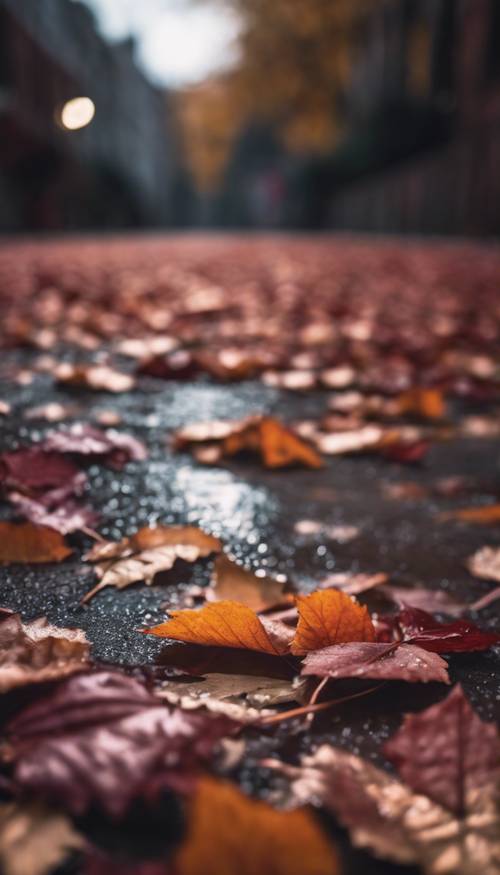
325,617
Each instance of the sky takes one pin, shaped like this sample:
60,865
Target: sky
179,42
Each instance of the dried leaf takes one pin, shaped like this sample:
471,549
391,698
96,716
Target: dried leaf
229,832
36,652
25,543
353,584
423,402
240,697
68,516
486,515
231,582
103,740
33,841
403,662
485,563
140,557
330,617
402,822
451,766
461,636
99,378
82,439
224,624
277,445
361,440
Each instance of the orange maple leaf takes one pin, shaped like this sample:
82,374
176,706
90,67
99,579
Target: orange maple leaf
221,820
330,617
222,624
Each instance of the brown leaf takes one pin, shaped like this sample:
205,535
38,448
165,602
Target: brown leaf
231,582
330,617
103,740
276,444
240,697
382,661
432,600
230,833
36,652
99,378
26,543
33,841
485,563
223,624
140,557
363,439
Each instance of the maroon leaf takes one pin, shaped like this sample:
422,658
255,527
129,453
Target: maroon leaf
113,446
70,516
103,739
370,660
34,471
461,636
446,752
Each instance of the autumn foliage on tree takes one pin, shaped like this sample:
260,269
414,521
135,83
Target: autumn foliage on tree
294,63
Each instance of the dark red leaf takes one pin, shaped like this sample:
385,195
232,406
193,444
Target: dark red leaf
371,660
102,739
81,439
446,752
461,636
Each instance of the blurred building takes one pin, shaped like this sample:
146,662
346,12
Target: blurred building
117,172
423,148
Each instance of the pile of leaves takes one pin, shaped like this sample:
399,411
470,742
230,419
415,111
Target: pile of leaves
141,772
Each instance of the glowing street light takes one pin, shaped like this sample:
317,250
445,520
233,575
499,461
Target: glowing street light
77,113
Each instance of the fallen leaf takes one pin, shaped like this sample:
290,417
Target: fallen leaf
114,447
315,528
36,652
34,841
330,617
240,697
231,582
485,563
99,378
225,624
461,636
423,402
230,833
403,662
143,555
103,740
366,438
486,515
451,766
52,411
444,753
26,543
34,471
4,408
353,584
68,516
276,444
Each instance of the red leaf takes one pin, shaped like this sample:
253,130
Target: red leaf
104,739
446,752
34,471
461,636
370,660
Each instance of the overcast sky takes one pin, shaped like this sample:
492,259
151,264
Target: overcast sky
178,41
